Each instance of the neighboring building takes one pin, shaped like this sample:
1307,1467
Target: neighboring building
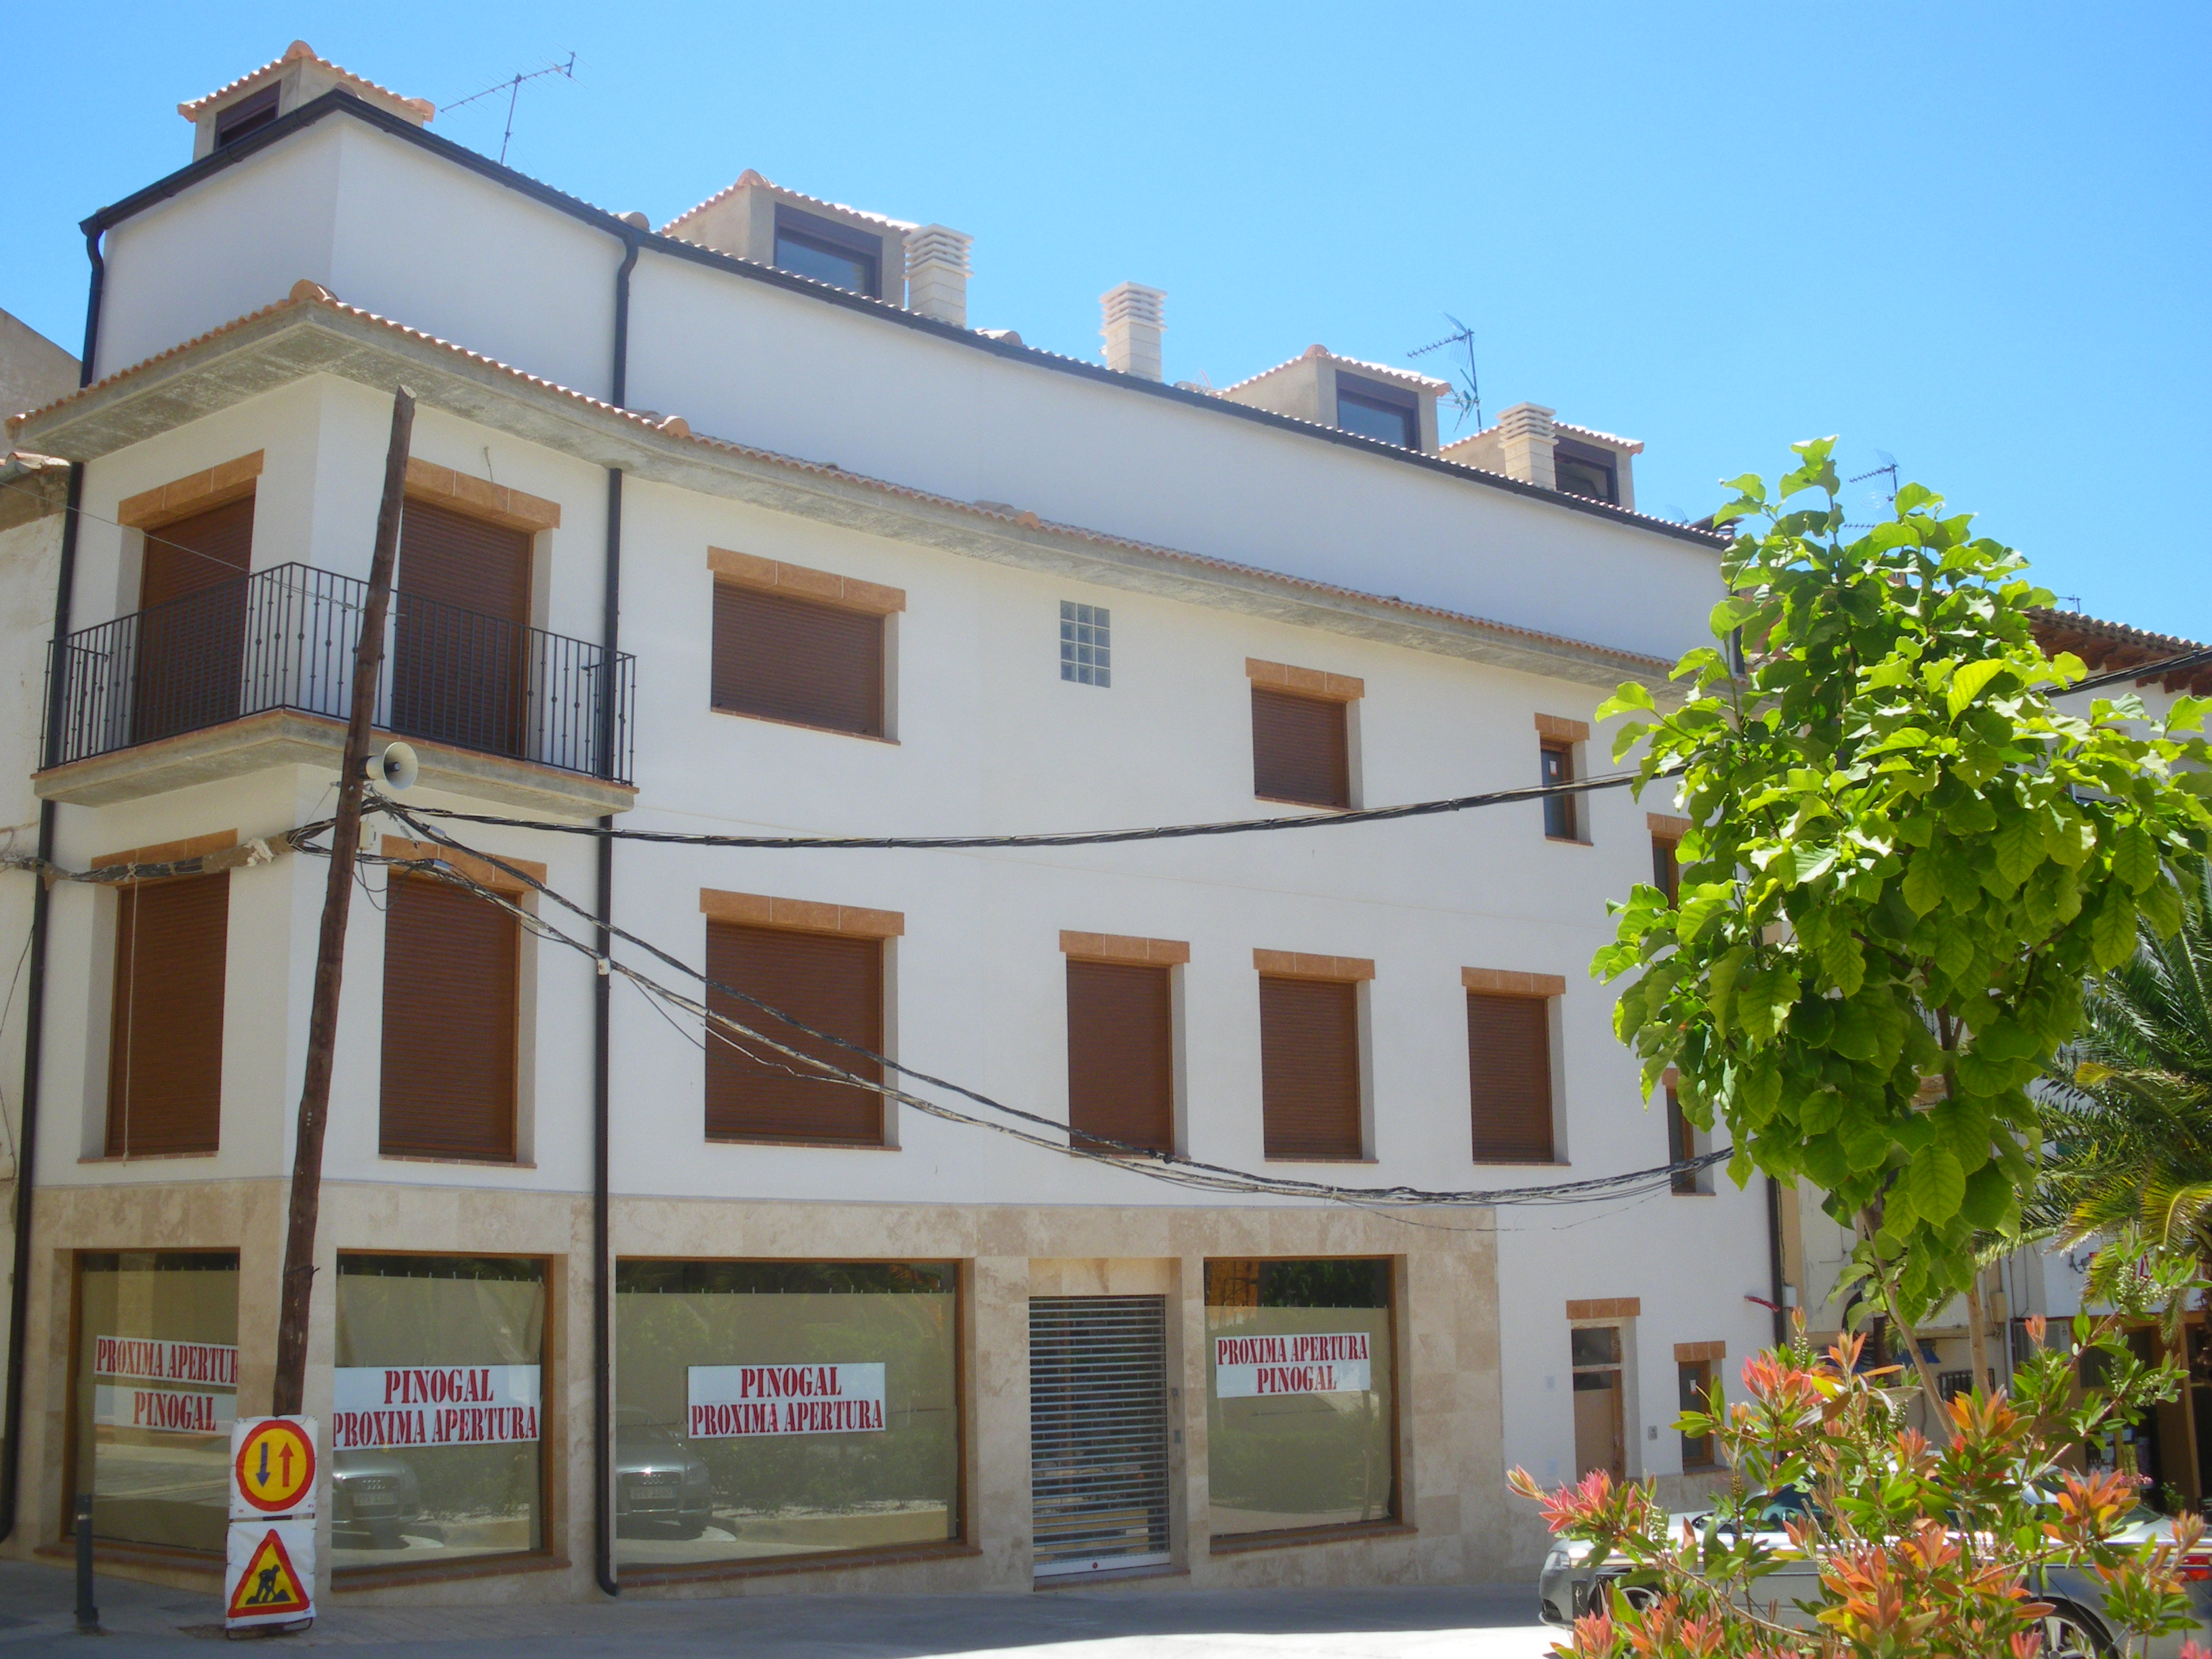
877,572
34,370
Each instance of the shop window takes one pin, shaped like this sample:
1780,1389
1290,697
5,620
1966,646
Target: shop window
772,1409
437,1446
1695,1384
1301,1406
157,1392
164,1031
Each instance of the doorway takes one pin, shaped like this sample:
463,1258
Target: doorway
1098,1433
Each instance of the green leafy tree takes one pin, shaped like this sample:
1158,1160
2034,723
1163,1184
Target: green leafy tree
1907,863
1894,1549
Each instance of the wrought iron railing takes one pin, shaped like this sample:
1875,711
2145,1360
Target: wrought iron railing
285,638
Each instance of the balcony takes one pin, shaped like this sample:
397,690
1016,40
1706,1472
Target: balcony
258,671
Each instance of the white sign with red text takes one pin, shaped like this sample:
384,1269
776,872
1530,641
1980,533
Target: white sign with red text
1249,1367
433,1405
728,1401
136,1398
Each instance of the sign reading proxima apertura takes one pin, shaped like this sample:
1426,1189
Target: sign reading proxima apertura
728,1401
433,1405
1246,1367
131,1385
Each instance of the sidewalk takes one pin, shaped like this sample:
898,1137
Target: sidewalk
1476,1622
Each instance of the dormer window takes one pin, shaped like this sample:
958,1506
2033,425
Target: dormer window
1374,411
248,115
829,252
1586,470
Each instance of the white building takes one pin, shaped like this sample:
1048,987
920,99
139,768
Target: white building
873,572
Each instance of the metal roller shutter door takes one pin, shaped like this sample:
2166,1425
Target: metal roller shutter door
1098,1433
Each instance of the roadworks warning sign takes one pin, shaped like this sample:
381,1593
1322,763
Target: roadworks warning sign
269,1575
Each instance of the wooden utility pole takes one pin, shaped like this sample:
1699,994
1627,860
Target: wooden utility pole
329,955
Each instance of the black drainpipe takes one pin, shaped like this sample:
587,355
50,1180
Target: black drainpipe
603,1288
1774,1259
34,989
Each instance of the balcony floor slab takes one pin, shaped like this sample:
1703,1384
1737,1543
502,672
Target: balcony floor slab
286,737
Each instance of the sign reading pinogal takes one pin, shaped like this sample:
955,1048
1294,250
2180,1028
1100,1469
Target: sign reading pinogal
728,1401
1246,1367
137,1400
433,1405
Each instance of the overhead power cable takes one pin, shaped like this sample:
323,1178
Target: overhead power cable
1072,838
1047,1134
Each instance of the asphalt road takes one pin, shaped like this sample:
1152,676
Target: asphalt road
1479,1622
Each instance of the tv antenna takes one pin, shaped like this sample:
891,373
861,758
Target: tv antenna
1888,469
1466,397
513,87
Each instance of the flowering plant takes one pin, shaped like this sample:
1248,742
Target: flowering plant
1989,1548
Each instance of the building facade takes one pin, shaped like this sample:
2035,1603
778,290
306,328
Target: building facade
738,529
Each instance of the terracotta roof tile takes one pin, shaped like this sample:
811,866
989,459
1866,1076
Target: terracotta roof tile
305,294
1422,382
296,52
1626,445
750,177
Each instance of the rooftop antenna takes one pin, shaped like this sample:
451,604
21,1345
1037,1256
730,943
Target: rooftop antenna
1887,470
1466,397
513,88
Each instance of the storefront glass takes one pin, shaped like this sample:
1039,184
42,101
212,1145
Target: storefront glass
784,1408
436,1446
156,1393
1300,1403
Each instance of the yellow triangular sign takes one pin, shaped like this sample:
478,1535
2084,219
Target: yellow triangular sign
269,1584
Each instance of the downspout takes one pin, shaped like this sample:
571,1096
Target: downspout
1774,1260
603,1290
34,989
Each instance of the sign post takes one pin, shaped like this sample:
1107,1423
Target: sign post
269,1565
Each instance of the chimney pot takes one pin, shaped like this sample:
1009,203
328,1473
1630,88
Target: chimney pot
1134,326
1525,441
937,274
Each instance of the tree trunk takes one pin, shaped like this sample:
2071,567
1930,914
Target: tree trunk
1939,1420
1978,1328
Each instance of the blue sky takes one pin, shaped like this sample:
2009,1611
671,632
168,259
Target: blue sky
1973,237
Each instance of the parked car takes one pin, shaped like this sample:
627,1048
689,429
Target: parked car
2074,1628
659,1480
374,1491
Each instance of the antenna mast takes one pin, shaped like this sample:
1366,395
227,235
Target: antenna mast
514,86
1467,396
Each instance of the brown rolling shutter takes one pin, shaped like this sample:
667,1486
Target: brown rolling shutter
192,622
1120,1054
832,982
1299,748
164,1042
792,660
451,973
1509,1045
1309,1067
460,671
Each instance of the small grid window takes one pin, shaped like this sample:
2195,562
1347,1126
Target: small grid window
1085,644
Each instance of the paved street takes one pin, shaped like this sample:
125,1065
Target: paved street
1489,1622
